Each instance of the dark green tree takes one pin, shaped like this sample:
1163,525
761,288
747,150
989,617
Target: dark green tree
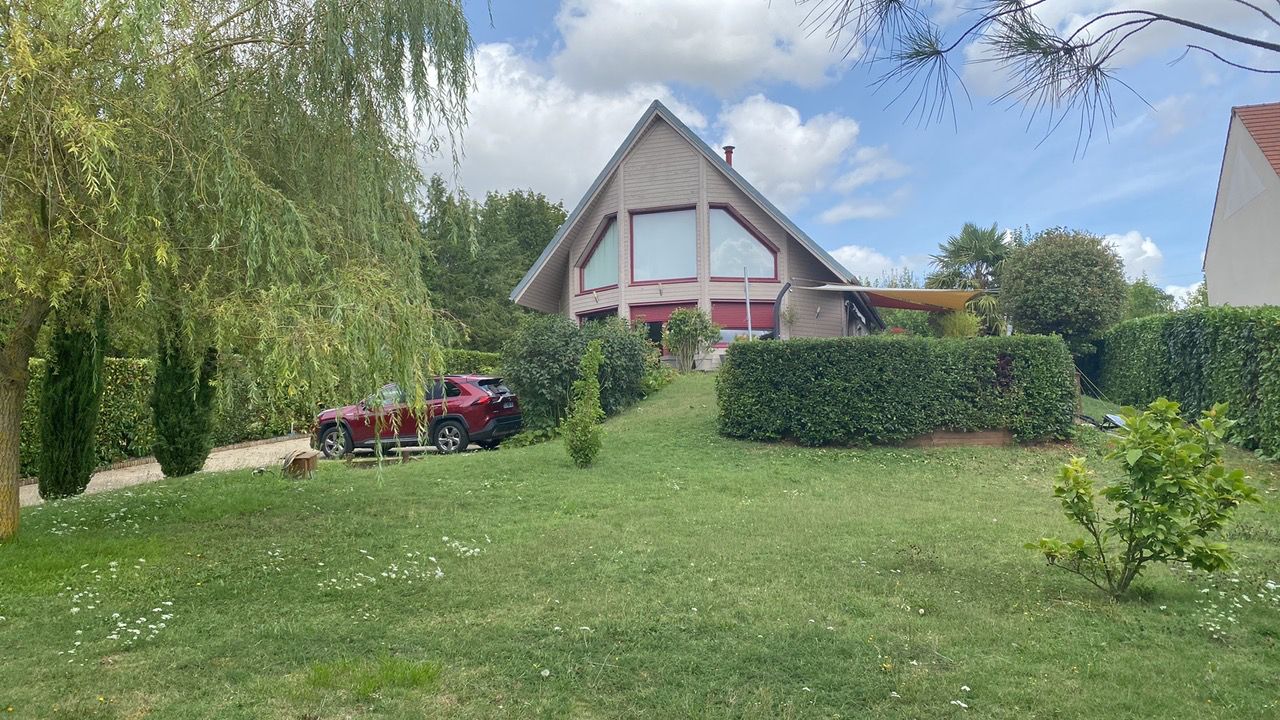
1146,299
1064,282
182,403
70,402
476,252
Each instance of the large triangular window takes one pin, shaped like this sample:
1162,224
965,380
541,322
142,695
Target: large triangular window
738,250
600,270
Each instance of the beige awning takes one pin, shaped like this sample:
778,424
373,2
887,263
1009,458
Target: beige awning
927,299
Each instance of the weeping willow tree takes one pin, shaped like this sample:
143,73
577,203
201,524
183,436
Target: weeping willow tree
247,167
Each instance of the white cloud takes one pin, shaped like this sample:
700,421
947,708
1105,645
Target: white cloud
717,44
1141,255
862,208
870,264
529,129
784,156
1182,293
873,165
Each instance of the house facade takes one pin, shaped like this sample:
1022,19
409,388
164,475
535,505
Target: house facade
669,224
1242,259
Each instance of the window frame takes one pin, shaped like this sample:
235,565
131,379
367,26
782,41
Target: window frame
587,316
601,230
751,230
631,242
761,329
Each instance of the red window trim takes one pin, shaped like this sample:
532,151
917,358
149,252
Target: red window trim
751,230
601,229
631,241
679,305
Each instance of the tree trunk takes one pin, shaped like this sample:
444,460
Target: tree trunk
14,375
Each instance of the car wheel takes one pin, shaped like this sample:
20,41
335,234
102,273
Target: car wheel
489,444
449,437
334,442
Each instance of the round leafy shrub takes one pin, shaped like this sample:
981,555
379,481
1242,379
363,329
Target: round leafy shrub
625,354
689,333
1067,283
540,363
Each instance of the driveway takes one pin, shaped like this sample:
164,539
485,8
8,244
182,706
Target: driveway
268,454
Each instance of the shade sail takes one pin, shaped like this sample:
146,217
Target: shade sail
927,299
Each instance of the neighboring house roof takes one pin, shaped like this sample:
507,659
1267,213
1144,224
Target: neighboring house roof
657,108
1263,123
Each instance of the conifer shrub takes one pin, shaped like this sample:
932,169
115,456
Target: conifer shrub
182,405
71,399
582,429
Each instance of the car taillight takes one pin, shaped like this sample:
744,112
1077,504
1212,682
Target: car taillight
484,400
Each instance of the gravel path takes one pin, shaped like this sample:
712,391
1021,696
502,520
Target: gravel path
263,455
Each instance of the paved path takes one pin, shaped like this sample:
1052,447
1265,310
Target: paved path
264,455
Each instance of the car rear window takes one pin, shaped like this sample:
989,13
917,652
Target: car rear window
494,386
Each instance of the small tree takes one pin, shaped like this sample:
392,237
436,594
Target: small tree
70,402
582,429
687,334
1064,282
1175,497
182,404
1147,299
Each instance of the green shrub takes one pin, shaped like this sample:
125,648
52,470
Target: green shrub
541,360
625,351
688,333
71,398
1175,496
471,362
182,405
1200,357
956,324
1064,282
884,389
124,428
540,363
582,428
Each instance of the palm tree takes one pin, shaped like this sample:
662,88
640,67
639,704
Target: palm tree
972,260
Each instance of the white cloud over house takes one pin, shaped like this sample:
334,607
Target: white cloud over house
720,45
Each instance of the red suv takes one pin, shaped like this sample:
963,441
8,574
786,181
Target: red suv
463,409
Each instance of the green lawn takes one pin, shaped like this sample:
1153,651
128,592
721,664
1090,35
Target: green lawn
685,575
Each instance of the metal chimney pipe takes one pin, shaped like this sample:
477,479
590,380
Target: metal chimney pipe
728,154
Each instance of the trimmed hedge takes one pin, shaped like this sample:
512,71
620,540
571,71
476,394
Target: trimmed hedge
124,420
885,389
1199,357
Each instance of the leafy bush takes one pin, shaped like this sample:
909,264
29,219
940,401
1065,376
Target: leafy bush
582,428
1176,495
540,363
71,398
124,427
1067,283
626,352
958,324
885,389
688,333
471,362
1199,357
541,360
182,406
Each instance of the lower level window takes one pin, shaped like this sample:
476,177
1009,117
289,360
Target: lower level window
728,335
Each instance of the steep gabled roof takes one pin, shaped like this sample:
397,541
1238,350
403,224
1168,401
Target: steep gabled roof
1263,123
656,108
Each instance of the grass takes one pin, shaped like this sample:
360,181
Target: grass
685,575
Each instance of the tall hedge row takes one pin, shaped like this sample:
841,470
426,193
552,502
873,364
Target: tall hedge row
124,419
471,362
1198,357
885,389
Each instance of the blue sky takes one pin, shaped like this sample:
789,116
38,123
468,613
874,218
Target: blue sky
560,82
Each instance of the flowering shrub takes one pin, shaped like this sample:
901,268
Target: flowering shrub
1175,497
582,429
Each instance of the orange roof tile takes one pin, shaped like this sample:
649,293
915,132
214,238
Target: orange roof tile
1263,123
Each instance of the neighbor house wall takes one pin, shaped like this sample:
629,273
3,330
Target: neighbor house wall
1242,260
